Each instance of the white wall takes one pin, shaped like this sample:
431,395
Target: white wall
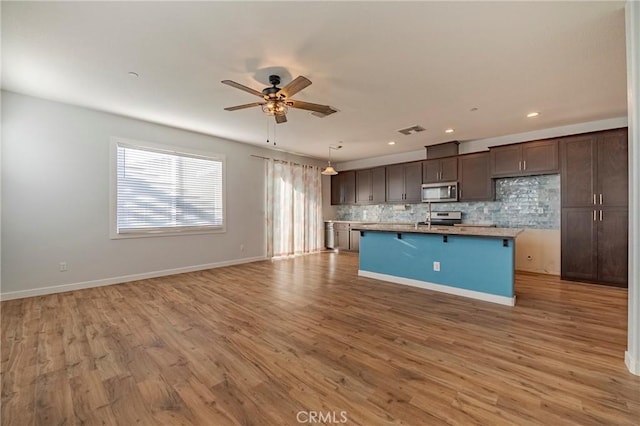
538,250
55,201
632,355
328,211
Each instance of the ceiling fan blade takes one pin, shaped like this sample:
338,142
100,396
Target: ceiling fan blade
321,114
281,118
233,108
321,109
294,86
242,87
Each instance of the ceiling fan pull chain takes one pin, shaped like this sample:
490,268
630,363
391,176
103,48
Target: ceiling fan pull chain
267,130
274,134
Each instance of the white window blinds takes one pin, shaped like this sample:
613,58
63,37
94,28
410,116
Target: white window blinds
159,191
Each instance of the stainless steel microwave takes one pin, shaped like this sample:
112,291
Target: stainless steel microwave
441,192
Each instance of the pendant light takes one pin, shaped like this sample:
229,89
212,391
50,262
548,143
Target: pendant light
330,171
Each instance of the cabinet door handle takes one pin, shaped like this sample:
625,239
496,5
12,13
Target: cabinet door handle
519,165
600,215
594,199
594,215
524,165
600,199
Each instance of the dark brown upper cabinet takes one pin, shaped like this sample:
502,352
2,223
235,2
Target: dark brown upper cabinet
594,169
474,173
525,159
404,183
441,150
440,170
343,188
370,186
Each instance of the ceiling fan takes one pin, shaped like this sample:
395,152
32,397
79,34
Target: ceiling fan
277,101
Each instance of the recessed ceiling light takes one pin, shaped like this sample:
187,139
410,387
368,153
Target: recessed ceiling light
533,114
391,143
449,131
133,74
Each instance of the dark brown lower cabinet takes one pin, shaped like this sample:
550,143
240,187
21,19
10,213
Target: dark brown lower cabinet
342,237
345,238
594,245
612,246
579,244
354,241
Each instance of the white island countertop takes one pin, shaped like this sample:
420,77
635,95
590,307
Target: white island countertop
472,231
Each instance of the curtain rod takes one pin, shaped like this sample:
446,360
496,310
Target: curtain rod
283,161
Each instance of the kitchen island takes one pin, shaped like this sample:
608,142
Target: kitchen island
473,262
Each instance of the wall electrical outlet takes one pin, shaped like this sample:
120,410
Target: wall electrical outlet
63,266
436,266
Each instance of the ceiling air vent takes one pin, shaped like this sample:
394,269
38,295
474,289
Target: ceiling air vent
411,130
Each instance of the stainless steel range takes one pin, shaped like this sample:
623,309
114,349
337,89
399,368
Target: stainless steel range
443,218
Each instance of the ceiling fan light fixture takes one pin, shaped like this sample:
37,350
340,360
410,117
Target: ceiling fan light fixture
275,108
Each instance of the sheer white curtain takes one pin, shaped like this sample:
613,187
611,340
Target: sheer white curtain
294,208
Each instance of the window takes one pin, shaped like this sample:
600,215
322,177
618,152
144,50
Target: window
160,191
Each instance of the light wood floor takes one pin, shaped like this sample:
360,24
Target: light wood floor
256,344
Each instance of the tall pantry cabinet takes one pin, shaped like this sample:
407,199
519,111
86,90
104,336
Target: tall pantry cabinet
594,176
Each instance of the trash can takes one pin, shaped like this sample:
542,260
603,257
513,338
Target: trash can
329,236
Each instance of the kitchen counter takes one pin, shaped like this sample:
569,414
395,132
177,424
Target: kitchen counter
368,222
479,231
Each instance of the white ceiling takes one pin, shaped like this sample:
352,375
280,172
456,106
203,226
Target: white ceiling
383,65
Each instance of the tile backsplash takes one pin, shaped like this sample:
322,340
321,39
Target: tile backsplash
522,202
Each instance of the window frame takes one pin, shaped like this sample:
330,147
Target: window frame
165,149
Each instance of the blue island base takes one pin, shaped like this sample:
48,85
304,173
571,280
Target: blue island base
470,266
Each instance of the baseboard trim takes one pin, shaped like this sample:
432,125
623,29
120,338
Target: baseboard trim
502,300
532,272
632,364
43,291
